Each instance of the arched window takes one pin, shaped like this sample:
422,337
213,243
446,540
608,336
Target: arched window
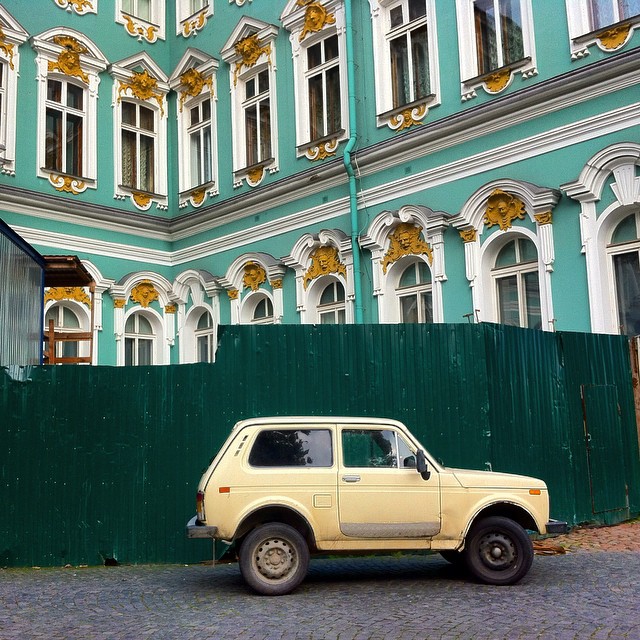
624,250
139,341
517,286
64,321
262,310
204,338
415,294
331,306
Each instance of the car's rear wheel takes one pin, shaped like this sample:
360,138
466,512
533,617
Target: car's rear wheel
498,551
274,559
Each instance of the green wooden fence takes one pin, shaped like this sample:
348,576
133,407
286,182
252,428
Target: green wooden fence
100,463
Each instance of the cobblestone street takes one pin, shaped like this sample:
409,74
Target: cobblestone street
590,592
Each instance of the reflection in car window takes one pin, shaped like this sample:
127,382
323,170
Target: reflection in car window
292,448
375,448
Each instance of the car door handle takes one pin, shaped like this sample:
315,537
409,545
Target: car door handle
350,478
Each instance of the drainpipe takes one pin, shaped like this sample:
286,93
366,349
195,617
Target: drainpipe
348,163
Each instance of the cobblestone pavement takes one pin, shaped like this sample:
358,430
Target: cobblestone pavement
591,592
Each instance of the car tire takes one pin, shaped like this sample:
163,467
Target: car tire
498,551
274,559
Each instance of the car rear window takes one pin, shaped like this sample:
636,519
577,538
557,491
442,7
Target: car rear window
292,448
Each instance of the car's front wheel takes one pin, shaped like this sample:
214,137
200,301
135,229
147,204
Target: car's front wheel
274,559
498,551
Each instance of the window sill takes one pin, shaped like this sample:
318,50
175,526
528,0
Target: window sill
322,148
407,115
254,174
498,79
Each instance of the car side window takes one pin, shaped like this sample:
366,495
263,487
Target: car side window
375,448
292,448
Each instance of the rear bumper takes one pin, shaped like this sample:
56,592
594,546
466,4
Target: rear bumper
196,530
556,526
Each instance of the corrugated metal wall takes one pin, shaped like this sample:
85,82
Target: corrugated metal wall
20,304
100,462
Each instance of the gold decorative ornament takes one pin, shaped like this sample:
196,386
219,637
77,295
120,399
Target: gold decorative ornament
197,197
543,218
69,58
255,175
503,209
192,82
324,260
68,293
496,82
276,284
615,37
6,48
170,308
142,86
468,235
68,184
322,151
119,303
254,275
193,26
316,17
405,241
140,31
142,200
233,294
249,50
408,118
79,6
144,293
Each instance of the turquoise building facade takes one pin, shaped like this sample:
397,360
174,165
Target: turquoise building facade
324,161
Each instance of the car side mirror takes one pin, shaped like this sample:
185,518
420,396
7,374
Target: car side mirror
421,465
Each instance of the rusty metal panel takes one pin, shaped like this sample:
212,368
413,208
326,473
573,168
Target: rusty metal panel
102,463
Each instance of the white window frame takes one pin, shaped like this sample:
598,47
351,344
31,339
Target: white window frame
614,169
293,20
417,290
200,70
249,305
240,74
91,63
335,308
307,297
124,91
13,35
190,21
140,28
388,115
482,243
470,75
83,316
584,34
156,326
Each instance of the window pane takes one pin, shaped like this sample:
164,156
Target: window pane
420,58
400,71
130,326
424,273
486,43
333,100
527,250
331,48
204,322
602,13
207,152
426,309
53,143
145,352
251,133
316,108
144,326
54,90
314,56
129,344
265,130
147,120
508,306
69,319
129,113
146,163
369,448
292,448
203,349
409,309
74,145
75,96
395,16
408,277
129,156
507,255
532,300
630,8
194,115
627,275
417,9
328,318
511,27
195,149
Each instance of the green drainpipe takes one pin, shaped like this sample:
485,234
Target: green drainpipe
348,163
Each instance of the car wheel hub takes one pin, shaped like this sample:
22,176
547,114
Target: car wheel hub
274,559
497,551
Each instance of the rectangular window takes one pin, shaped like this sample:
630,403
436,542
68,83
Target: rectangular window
138,8
627,277
606,12
498,31
375,448
64,127
292,448
138,147
200,144
323,79
3,133
257,119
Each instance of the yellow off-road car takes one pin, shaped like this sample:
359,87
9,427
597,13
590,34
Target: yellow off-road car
284,488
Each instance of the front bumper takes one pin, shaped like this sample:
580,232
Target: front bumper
196,530
556,526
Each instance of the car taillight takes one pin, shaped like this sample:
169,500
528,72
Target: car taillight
200,505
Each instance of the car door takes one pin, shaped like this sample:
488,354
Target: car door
380,492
